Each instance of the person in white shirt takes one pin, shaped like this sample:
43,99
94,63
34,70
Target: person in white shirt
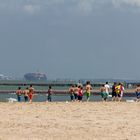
107,87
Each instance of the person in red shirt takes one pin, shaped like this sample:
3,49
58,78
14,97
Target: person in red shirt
80,93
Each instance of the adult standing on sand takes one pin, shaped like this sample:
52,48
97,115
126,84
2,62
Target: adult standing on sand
137,90
76,89
88,90
80,93
114,95
107,87
71,91
122,91
26,92
118,92
19,92
103,93
31,93
49,92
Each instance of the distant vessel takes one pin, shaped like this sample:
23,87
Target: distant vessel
35,77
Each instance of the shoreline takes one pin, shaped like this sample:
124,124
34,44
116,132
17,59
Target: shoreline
128,92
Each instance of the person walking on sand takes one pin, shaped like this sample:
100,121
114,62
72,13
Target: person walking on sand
103,93
114,95
71,91
137,90
18,93
31,93
26,92
88,90
49,92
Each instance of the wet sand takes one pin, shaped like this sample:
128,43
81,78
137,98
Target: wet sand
70,121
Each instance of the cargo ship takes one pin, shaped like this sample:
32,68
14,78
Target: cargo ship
35,77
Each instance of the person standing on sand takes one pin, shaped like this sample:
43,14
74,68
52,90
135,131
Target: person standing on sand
114,95
88,90
122,91
118,92
26,92
107,87
80,93
137,90
49,92
103,93
18,93
71,91
76,89
31,93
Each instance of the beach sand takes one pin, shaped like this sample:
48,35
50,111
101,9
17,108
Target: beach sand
70,121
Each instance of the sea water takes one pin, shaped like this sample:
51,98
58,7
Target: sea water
56,98
43,97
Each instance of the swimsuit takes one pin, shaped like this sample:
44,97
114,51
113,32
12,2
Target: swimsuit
104,95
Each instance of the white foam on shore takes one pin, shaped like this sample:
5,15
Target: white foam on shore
11,100
130,101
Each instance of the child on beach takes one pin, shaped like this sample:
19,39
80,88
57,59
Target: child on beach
103,93
18,93
49,92
31,93
88,90
80,93
71,91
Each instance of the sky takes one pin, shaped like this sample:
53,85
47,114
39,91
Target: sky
92,39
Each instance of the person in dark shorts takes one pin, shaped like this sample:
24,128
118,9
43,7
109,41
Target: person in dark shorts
19,92
71,91
137,90
118,92
80,93
26,92
76,89
49,98
114,95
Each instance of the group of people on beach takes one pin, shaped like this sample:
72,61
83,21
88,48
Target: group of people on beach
27,93
77,92
117,91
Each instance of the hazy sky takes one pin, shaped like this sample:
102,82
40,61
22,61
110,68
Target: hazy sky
70,38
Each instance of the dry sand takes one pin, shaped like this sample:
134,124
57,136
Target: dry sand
70,121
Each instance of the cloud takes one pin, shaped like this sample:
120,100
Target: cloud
83,6
31,9
128,2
